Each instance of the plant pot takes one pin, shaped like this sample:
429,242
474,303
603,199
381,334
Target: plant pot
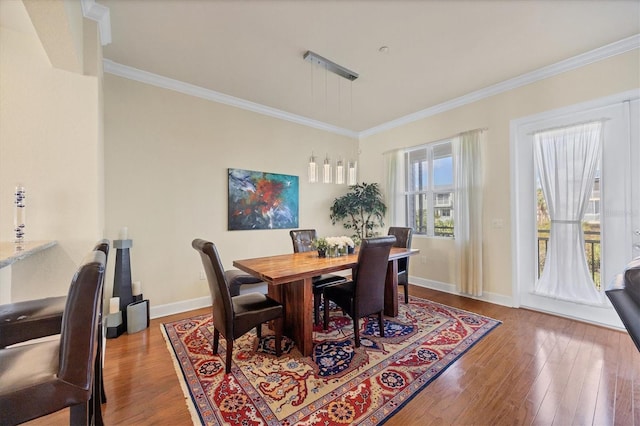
322,253
351,250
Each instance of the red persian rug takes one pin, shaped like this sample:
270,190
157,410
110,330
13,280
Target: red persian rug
338,384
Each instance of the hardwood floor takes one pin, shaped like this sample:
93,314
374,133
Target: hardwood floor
533,369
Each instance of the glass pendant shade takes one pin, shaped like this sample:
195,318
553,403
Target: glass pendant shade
326,171
340,172
352,177
312,169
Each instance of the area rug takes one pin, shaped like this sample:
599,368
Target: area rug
338,384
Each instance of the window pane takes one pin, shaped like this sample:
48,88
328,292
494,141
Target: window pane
417,211
443,214
442,165
418,170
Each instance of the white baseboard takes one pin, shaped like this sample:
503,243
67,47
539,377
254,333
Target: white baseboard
179,307
497,299
203,302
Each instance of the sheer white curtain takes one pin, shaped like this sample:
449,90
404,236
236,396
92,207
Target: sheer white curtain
394,187
567,160
467,154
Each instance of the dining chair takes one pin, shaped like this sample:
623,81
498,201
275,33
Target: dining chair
32,319
40,378
233,316
403,239
364,294
302,240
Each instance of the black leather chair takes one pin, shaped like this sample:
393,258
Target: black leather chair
364,295
624,294
237,279
403,239
33,319
41,378
235,316
302,239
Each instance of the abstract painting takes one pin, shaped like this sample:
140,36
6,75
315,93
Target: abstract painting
260,200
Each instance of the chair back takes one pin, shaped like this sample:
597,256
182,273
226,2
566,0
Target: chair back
220,295
302,239
79,333
370,274
403,239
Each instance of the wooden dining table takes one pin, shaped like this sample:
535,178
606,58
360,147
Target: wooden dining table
289,279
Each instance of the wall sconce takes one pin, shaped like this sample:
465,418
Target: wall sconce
352,177
312,170
326,170
340,172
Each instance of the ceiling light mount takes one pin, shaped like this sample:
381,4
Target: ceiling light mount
316,59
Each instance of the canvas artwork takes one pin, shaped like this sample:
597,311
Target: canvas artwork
260,200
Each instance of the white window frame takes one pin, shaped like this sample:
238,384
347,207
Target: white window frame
427,193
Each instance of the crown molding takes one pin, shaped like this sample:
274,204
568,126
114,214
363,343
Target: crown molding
578,61
211,95
100,14
609,50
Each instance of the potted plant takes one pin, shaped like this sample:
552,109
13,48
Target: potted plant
321,245
362,209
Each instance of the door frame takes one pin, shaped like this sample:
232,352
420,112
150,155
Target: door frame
523,232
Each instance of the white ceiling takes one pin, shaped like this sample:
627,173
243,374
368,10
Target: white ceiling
438,50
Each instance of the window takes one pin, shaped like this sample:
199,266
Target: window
429,189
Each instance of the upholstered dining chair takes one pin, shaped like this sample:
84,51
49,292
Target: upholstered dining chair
403,239
235,316
43,377
302,239
33,319
364,294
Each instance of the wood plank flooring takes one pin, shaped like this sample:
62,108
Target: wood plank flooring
534,369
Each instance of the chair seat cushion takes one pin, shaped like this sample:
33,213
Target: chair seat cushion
29,380
341,294
252,309
30,319
236,278
322,281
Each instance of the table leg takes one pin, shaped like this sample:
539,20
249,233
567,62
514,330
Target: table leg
297,298
391,289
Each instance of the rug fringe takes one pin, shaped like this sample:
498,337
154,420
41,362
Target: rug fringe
195,416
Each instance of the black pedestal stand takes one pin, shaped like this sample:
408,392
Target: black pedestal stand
121,285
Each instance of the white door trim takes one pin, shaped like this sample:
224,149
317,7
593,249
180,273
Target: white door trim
523,207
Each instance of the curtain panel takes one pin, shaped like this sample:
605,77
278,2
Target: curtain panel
468,178
567,161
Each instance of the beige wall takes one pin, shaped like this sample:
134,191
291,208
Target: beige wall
49,141
437,260
166,160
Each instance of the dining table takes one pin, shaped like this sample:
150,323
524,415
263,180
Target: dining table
289,279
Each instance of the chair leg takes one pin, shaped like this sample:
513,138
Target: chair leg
79,414
326,314
259,331
356,330
278,342
381,323
227,368
216,339
316,308
406,292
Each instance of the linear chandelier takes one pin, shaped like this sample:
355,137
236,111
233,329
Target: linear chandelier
350,168
346,172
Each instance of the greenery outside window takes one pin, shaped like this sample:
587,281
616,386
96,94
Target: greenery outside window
429,189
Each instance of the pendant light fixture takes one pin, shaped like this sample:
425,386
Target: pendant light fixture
340,172
352,177
326,170
312,169
342,168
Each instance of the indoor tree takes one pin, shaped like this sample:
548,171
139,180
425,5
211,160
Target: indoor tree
362,209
